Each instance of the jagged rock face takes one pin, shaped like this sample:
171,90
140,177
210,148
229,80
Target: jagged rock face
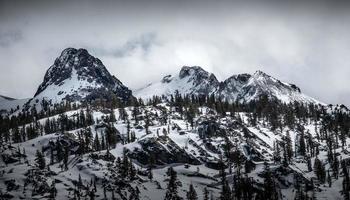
231,87
164,150
202,81
241,87
78,76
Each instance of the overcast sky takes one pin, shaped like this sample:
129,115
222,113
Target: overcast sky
141,41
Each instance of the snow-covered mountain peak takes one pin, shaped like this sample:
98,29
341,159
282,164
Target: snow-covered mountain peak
190,80
193,71
260,73
264,80
198,76
77,76
251,87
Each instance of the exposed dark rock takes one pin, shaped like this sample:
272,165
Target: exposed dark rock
164,150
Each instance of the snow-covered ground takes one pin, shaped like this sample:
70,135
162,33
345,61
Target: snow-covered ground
184,136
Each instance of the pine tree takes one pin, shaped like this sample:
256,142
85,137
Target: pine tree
319,170
150,173
150,166
191,112
135,113
191,194
288,147
269,184
335,167
309,166
103,143
125,165
53,190
132,171
59,153
65,157
171,193
205,194
302,148
147,122
128,136
40,160
16,137
111,136
346,181
112,116
225,189
329,179
276,152
97,145
51,156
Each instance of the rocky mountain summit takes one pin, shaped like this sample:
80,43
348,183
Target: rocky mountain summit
77,76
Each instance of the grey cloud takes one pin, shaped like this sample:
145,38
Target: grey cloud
143,42
9,37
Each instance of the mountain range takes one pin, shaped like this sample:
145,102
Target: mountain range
242,87
77,76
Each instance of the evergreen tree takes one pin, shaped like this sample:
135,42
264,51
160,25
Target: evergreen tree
65,157
191,194
309,166
205,194
288,146
97,145
147,122
111,136
276,152
269,184
16,137
319,170
53,190
40,160
329,179
171,192
302,148
225,189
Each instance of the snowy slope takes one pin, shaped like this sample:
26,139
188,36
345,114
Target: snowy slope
241,87
181,139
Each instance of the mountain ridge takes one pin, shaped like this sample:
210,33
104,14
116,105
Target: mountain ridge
239,87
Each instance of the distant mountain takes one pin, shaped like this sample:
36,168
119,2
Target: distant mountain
8,103
77,76
241,87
